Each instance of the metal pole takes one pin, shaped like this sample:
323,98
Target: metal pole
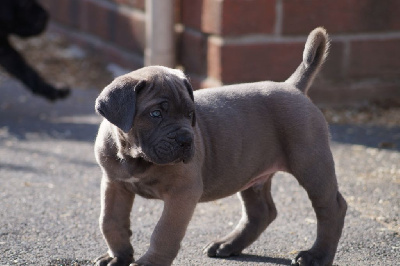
160,34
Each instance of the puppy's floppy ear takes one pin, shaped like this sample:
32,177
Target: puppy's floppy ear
190,91
117,102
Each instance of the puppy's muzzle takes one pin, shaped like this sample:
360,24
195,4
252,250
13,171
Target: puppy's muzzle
184,139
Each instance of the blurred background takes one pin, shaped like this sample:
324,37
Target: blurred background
232,41
224,42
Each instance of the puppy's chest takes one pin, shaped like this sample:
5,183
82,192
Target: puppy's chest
137,181
144,189
147,187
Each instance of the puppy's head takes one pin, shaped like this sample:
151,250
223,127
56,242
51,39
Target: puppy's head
153,113
24,18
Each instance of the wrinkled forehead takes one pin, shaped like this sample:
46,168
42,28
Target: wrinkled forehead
165,86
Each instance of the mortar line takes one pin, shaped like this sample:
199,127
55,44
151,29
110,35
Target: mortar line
278,18
265,38
346,58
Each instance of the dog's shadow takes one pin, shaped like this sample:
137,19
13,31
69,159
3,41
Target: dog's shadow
257,258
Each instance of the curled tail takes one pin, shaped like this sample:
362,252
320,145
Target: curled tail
314,55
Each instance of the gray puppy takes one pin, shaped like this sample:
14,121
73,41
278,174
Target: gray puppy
162,141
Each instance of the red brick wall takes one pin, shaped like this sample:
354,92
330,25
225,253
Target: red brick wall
232,41
236,41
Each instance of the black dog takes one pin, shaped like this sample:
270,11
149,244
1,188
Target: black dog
24,18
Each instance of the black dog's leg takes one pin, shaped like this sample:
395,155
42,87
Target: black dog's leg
15,64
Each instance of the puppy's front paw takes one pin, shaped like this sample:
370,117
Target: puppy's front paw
310,258
107,260
222,249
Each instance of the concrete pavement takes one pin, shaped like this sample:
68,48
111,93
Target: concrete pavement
49,194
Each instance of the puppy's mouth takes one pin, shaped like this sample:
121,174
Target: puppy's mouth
167,153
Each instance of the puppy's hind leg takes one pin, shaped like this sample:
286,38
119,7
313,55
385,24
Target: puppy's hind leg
315,172
258,211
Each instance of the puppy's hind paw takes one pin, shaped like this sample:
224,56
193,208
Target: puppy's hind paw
221,250
307,258
107,260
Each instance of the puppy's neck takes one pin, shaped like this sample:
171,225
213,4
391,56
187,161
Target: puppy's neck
129,155
125,147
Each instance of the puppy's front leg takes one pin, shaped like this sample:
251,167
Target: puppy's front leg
170,230
116,206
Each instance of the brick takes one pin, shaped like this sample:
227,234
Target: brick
65,12
192,52
351,92
229,17
340,16
97,19
333,66
129,31
251,16
253,62
57,15
374,58
177,11
191,13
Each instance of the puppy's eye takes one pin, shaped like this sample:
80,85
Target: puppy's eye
155,114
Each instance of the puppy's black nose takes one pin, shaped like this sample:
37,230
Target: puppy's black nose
184,139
